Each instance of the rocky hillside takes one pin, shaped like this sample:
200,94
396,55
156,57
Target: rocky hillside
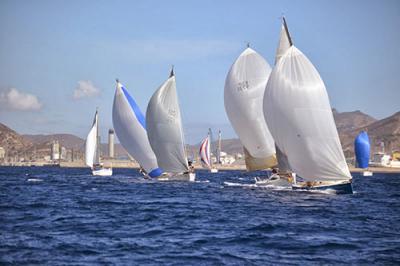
67,140
349,124
12,141
348,121
386,130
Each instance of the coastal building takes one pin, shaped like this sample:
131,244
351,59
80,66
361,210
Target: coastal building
55,150
2,153
111,143
63,154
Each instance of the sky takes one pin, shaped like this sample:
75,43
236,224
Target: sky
59,59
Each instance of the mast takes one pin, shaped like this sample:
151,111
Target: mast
210,141
219,148
97,159
287,31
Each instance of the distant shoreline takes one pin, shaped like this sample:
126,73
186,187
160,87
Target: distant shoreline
133,165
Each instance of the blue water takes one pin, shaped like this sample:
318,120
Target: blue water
65,216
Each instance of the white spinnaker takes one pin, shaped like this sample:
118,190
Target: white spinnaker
243,97
91,143
299,115
129,125
164,128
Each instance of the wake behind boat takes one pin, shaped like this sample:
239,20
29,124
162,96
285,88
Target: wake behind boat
92,150
165,133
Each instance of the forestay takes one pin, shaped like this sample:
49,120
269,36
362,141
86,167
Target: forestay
130,127
298,113
243,97
164,128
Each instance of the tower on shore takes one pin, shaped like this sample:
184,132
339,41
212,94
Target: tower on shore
111,143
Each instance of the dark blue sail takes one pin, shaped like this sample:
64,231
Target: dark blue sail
362,149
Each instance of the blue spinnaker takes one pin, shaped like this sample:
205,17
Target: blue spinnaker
362,149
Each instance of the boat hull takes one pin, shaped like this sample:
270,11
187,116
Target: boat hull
280,182
102,172
338,188
367,173
186,177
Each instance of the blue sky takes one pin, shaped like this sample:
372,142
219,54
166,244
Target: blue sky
59,59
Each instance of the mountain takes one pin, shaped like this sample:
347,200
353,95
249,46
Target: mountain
348,121
67,140
11,141
70,141
349,124
386,130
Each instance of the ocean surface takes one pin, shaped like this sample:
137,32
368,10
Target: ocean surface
58,216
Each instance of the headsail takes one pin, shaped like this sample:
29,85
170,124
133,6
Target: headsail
164,128
299,115
91,143
243,97
204,152
285,41
362,149
130,127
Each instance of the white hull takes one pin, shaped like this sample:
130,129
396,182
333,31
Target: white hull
190,177
367,173
102,172
213,170
279,182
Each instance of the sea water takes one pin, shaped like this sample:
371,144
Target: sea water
66,216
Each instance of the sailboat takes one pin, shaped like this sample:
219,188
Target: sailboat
205,153
243,98
92,150
299,116
165,133
362,150
130,127
283,177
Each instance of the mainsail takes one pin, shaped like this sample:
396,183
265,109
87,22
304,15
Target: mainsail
243,97
164,128
362,149
91,144
204,152
298,113
130,127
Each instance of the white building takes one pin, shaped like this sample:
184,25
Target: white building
2,153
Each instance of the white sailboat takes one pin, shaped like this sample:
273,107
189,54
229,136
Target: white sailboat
165,133
130,127
205,153
243,98
92,150
299,116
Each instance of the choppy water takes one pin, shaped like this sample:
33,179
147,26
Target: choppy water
65,216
